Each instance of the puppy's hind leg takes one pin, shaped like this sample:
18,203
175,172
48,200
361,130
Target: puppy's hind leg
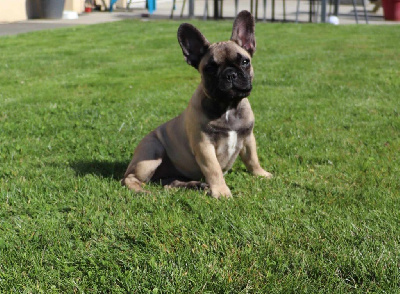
185,184
146,158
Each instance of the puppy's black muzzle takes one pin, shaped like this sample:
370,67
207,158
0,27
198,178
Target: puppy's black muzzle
235,80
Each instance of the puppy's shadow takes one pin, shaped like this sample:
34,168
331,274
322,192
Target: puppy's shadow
107,169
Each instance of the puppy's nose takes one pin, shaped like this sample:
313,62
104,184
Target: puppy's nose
231,76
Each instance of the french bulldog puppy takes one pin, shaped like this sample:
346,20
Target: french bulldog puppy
217,125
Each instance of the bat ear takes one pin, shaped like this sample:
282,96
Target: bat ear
194,45
243,31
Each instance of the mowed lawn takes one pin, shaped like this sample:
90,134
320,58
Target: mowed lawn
75,102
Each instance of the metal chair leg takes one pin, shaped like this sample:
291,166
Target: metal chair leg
355,10
273,11
336,10
183,7
365,12
284,10
236,7
297,11
256,10
205,14
265,11
172,10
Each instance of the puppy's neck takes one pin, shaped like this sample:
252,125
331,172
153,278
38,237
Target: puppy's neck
215,108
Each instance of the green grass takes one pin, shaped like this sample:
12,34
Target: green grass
75,102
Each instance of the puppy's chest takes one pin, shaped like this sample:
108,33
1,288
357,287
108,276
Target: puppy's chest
227,133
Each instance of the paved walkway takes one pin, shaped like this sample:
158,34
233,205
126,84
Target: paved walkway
346,15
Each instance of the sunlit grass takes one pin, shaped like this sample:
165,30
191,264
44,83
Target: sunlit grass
75,102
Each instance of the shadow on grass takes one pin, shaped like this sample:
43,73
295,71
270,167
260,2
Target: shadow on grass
106,169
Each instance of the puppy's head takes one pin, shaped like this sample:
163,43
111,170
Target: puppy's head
225,67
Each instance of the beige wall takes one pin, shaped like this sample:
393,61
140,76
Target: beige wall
122,3
15,10
75,5
12,10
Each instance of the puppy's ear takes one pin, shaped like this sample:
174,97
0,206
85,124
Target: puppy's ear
243,31
194,45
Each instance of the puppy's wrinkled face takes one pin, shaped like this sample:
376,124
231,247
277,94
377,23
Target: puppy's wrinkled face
225,67
226,71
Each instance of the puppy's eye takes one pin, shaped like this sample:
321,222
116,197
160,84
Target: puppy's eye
245,62
211,66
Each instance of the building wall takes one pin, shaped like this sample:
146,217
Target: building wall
14,10
75,5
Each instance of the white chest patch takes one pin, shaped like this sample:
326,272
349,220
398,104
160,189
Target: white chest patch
227,116
231,142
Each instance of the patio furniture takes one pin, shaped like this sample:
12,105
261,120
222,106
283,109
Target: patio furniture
219,4
336,3
218,9
112,2
174,7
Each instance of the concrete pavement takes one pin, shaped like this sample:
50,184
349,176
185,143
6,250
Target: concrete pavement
346,15
84,19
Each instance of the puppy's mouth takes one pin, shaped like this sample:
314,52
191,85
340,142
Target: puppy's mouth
242,92
238,88
228,90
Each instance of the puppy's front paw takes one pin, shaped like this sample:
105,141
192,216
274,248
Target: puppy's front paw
263,173
132,183
220,191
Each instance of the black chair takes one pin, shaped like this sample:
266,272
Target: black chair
174,7
264,18
314,11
